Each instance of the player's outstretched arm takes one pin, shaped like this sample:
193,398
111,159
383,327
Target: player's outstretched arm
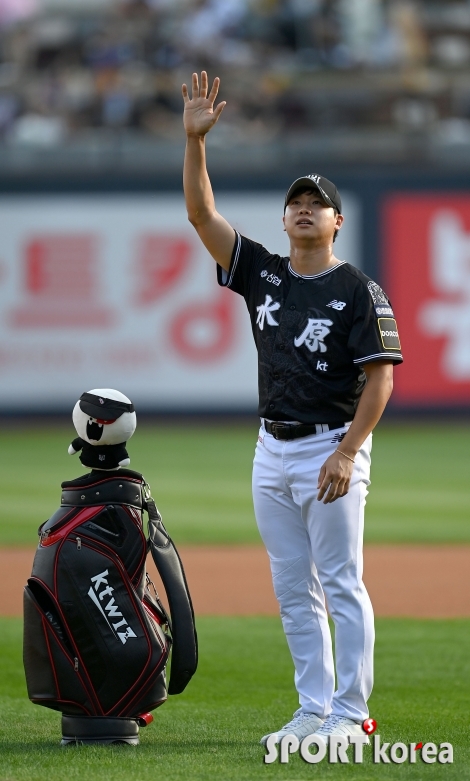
199,117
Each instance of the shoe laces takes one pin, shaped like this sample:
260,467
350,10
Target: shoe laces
330,723
298,719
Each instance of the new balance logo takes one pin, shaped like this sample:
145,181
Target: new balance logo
111,609
339,305
338,438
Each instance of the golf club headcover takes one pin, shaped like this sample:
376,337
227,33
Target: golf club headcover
105,420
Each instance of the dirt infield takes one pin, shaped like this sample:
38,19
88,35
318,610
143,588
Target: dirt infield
403,580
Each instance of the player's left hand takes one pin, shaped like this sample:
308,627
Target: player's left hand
334,478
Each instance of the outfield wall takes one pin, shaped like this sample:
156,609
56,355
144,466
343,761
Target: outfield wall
111,288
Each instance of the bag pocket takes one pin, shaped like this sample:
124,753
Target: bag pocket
116,643
52,675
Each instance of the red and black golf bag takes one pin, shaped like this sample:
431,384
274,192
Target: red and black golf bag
96,641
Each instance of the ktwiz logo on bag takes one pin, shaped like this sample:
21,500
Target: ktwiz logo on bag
110,610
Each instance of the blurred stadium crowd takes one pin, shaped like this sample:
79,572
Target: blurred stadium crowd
113,68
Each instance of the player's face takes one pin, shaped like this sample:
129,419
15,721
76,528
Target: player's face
309,217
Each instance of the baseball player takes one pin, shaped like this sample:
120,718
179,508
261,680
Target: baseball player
327,342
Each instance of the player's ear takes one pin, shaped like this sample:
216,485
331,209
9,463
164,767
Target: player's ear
339,221
284,222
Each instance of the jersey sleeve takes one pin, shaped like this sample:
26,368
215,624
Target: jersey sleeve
374,334
247,257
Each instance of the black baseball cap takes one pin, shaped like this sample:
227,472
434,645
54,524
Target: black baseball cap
103,408
326,188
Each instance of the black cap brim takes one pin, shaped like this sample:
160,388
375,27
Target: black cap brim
103,409
308,183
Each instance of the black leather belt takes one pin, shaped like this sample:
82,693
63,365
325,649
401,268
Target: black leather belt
297,430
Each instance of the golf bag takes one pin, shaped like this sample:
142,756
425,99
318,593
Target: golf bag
96,641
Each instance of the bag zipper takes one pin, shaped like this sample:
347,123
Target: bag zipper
79,543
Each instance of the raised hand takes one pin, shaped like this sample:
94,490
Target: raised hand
199,113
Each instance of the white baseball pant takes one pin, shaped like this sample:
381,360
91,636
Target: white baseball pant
315,551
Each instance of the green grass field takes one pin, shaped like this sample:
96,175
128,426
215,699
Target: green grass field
244,688
200,478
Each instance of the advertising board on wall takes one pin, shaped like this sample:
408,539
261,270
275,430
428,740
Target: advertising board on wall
118,291
426,240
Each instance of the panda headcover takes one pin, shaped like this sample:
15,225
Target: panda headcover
105,420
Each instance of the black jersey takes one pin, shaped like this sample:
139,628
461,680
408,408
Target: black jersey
313,334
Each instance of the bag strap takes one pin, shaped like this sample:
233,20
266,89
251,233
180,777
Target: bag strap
184,655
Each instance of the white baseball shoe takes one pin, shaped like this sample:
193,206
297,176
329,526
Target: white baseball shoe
339,725
302,724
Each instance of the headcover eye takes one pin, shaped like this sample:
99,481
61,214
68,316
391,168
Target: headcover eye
103,408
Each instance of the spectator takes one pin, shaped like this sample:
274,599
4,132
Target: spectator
120,68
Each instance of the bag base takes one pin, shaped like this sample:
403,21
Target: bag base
95,730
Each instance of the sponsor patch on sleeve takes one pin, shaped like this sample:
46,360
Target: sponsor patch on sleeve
382,311
389,333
